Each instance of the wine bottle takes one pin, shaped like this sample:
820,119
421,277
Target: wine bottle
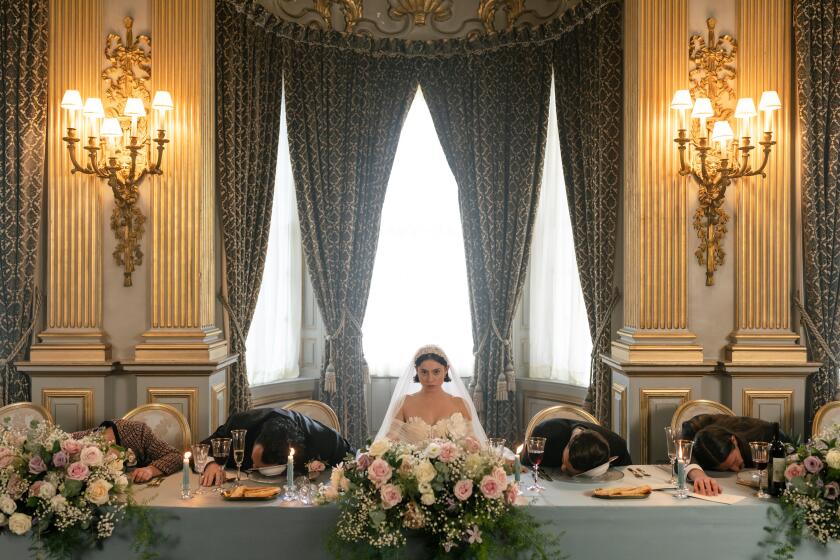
776,472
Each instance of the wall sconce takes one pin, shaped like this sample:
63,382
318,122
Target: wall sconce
118,150
715,161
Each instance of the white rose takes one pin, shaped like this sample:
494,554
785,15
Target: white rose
424,488
832,458
427,499
97,491
425,471
58,503
433,450
47,491
20,523
457,426
379,447
3,519
121,483
7,504
116,466
91,456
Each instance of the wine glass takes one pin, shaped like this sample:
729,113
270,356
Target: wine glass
760,453
536,447
238,451
199,454
670,441
683,448
497,445
221,450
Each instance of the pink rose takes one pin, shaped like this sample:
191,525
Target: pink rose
794,470
471,444
379,472
463,489
491,488
315,466
71,446
37,465
60,459
391,495
35,488
500,475
511,493
448,452
77,471
363,462
91,456
6,460
16,486
813,464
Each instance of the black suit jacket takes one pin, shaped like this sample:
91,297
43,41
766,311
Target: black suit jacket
558,431
313,440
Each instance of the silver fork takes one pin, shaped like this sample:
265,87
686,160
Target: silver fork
636,474
642,471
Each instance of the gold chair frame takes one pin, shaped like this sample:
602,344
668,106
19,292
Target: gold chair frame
712,404
551,412
819,415
30,405
185,427
327,409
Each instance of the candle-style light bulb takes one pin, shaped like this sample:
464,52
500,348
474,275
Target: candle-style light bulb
93,110
134,108
681,102
769,102
745,110
162,103
72,102
702,110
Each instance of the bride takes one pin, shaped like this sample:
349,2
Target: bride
430,401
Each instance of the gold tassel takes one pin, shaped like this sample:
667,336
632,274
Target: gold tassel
329,379
477,400
510,377
501,388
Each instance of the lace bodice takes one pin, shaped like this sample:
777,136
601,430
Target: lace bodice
416,429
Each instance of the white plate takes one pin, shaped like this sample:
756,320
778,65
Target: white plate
612,474
276,470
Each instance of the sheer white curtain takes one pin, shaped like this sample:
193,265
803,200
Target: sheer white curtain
419,291
273,344
560,345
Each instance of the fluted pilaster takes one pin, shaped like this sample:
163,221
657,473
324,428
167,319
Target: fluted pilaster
655,284
763,222
74,237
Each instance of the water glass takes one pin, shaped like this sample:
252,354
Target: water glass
497,445
760,455
200,451
536,448
683,448
221,450
238,439
670,441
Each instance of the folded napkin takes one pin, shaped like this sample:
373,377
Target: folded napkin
728,499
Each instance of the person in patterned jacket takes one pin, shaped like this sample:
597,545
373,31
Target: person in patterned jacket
154,456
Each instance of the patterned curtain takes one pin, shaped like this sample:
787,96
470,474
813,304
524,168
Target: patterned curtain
24,43
589,92
490,111
817,45
249,86
345,110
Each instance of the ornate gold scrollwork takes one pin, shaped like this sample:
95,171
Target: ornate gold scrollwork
487,13
713,71
352,10
420,10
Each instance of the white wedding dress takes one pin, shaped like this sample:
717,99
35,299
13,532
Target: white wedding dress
416,430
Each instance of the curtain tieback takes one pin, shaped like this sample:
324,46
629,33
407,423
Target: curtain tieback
813,331
36,308
505,380
330,382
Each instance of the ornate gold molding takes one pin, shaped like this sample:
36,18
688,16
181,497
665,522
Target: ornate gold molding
619,394
750,397
647,395
421,10
154,394
49,395
713,71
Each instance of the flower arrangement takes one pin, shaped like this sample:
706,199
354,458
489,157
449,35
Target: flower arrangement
455,493
67,494
811,502
315,467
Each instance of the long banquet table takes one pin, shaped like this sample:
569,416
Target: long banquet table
654,528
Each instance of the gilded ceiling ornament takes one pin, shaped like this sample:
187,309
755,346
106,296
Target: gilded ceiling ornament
420,10
487,13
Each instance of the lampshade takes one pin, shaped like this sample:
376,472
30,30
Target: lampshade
111,128
681,100
134,107
769,101
745,109
93,108
702,108
72,100
162,101
722,132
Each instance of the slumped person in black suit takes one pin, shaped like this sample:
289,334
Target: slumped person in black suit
577,446
270,434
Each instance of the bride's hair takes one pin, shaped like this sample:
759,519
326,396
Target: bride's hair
431,356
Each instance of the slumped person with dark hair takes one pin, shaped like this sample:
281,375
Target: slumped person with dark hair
577,447
722,442
270,434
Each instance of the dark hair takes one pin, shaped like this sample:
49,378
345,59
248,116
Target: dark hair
713,444
430,356
587,450
275,436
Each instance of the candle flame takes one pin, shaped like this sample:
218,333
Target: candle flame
291,452
519,449
187,455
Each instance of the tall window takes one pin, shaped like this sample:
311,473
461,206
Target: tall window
559,340
419,291
272,347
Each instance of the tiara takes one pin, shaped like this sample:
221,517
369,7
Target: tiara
431,349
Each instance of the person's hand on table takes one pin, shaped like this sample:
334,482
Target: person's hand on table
213,475
705,485
144,474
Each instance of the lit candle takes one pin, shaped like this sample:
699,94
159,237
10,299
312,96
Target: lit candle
745,110
681,102
768,103
290,470
516,465
185,476
702,110
72,102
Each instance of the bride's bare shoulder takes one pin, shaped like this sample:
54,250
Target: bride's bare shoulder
461,404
